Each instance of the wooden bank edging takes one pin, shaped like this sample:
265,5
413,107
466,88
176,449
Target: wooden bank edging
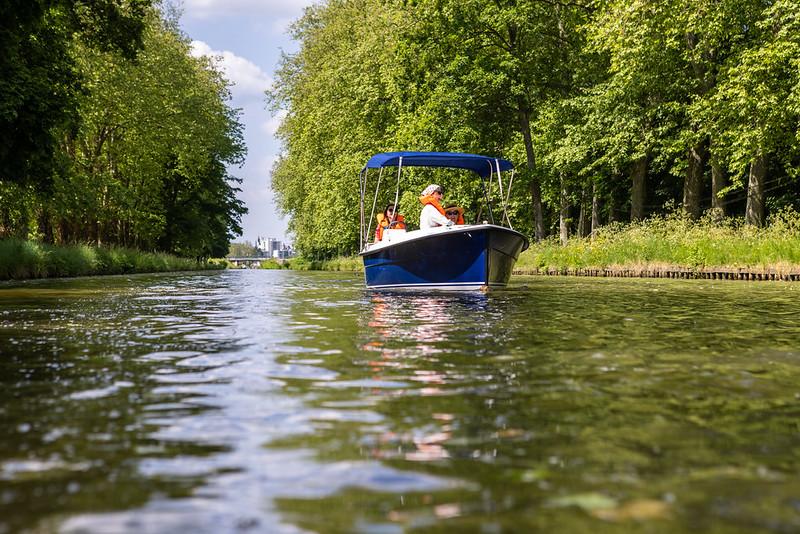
685,273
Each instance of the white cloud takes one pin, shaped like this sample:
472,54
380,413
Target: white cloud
203,9
249,79
263,167
280,25
270,126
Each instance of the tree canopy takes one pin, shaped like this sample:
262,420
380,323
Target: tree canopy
41,80
611,110
127,137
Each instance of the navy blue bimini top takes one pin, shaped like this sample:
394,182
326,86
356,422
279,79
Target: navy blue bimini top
482,165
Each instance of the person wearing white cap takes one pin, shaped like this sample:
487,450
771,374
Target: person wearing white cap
432,212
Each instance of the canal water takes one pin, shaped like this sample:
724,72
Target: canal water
276,401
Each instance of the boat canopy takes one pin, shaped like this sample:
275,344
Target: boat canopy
482,165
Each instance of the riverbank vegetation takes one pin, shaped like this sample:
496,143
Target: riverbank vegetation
612,112
112,133
29,259
271,264
342,263
675,242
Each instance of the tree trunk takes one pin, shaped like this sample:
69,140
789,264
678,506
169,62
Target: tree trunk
45,225
563,219
584,219
638,190
613,208
595,209
754,214
719,181
693,183
705,71
534,185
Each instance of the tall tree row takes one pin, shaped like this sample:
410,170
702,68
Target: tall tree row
611,110
338,95
122,138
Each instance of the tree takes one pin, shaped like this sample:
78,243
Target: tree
339,106
41,83
149,158
511,58
668,56
644,99
754,113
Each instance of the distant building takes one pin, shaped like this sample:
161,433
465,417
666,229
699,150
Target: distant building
274,248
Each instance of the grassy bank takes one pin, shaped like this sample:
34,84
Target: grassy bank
675,242
344,263
29,259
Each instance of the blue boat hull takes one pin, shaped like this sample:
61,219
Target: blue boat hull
469,258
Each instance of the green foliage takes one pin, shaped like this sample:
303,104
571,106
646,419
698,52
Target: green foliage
41,81
270,264
349,263
71,261
129,141
21,259
677,241
18,205
218,263
242,250
150,156
340,112
756,109
578,95
342,263
300,263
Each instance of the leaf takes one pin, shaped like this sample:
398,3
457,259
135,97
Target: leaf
637,510
584,501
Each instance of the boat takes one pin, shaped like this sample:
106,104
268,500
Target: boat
466,257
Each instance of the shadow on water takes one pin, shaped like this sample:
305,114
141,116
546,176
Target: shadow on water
282,402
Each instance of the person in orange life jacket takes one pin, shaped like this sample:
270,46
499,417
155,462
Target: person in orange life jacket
454,213
432,212
389,220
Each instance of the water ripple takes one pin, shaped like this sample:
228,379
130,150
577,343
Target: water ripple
277,401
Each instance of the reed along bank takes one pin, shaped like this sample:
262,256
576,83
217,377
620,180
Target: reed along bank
21,259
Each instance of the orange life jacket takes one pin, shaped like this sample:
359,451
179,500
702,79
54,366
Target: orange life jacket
433,202
399,223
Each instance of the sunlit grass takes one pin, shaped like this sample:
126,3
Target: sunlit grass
270,263
21,259
344,263
676,241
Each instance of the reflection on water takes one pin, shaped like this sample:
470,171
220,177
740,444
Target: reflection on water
291,402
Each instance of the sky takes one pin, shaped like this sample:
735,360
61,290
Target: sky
246,38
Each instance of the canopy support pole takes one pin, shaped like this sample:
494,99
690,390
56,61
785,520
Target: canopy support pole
362,179
503,199
486,193
397,191
374,202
